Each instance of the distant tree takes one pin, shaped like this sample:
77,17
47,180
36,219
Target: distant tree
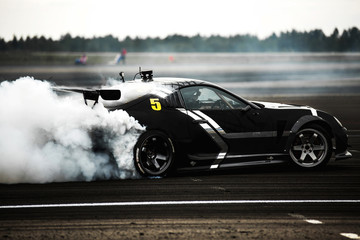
354,39
293,41
14,44
270,44
2,44
317,40
343,41
333,41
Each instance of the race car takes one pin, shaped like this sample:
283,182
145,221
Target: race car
197,125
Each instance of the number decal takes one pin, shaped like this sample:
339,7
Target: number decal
155,104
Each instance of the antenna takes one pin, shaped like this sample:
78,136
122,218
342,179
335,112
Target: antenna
122,75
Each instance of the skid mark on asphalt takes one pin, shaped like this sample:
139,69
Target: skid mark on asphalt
314,221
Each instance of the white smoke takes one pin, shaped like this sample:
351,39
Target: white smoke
48,138
134,89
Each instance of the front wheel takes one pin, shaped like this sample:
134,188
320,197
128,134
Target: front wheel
154,154
311,147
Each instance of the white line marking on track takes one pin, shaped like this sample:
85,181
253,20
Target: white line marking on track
299,216
313,221
109,204
350,235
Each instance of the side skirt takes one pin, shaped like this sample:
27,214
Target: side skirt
237,161
232,165
251,163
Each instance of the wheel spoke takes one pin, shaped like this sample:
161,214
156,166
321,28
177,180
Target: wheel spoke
313,138
155,163
303,156
319,147
161,157
313,156
297,148
148,162
302,138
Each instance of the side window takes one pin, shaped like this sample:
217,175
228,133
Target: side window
204,97
190,96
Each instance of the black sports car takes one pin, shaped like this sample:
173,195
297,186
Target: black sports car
193,124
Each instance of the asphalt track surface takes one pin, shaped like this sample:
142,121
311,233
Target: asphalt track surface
276,202
272,202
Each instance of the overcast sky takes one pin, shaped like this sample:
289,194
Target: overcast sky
143,18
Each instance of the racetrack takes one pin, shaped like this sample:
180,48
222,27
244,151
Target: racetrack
272,202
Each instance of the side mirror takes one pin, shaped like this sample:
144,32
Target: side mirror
245,109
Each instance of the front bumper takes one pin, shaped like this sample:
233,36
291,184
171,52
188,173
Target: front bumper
343,155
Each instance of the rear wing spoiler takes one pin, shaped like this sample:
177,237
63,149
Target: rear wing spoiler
91,94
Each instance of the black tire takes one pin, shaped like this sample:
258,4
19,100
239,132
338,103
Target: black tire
311,148
154,154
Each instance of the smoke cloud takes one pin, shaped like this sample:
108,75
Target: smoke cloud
135,89
49,138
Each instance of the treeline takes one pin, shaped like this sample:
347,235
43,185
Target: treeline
292,41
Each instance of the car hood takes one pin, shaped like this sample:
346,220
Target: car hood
273,105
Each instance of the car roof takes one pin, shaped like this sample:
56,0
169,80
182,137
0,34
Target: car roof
177,83
162,86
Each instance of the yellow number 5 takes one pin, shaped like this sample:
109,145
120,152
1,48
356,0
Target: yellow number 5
155,104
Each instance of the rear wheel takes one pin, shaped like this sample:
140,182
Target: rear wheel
311,147
154,154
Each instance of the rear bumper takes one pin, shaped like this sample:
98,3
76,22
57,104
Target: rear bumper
343,155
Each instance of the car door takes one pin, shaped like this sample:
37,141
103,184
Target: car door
237,127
